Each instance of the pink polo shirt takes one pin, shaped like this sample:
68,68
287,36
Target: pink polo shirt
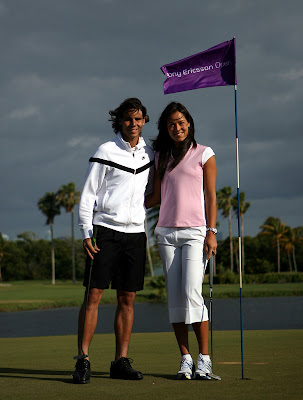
182,195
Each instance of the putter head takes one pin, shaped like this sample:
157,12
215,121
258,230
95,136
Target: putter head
80,357
213,376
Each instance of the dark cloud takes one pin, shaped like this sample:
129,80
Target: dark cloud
64,64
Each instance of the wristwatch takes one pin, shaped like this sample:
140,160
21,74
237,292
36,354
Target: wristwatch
214,230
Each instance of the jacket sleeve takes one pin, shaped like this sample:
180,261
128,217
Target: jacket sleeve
93,181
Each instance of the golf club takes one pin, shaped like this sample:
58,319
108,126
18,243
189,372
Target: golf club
83,355
211,281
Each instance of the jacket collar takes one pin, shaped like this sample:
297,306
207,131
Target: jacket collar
120,141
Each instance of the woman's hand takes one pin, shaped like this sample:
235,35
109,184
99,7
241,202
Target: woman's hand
210,245
210,175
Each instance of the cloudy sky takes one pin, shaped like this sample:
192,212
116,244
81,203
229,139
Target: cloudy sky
66,63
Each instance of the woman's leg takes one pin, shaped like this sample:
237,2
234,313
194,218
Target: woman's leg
171,257
193,271
204,364
201,332
197,313
192,279
181,333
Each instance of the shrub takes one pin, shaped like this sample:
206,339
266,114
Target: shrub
230,277
158,283
226,277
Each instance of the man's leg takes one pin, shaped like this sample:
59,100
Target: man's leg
124,322
91,318
121,368
86,328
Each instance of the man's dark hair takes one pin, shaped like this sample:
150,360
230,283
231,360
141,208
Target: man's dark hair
131,103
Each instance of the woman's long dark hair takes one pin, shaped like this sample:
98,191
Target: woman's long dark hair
163,142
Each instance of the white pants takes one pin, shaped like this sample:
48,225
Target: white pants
182,255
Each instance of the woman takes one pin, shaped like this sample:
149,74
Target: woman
185,185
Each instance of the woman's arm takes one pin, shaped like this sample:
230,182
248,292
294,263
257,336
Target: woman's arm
210,177
154,198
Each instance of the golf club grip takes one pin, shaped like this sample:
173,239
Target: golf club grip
211,271
94,235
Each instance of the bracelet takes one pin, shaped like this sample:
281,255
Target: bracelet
213,230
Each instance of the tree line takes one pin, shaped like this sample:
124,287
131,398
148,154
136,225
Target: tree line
260,254
280,237
50,204
275,248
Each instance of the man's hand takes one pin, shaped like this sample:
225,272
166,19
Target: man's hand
210,245
89,249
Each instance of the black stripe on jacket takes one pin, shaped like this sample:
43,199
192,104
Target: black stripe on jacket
122,167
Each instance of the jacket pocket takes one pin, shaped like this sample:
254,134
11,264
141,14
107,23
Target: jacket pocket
104,200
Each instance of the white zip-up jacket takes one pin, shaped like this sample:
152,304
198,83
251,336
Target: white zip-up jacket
117,179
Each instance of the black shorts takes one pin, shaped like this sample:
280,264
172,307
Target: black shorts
120,261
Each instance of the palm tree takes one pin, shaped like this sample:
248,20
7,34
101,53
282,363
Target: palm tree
276,229
288,246
68,197
244,206
50,207
214,256
2,245
297,238
292,238
224,203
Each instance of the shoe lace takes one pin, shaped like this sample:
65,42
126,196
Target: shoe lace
186,364
82,364
205,365
127,361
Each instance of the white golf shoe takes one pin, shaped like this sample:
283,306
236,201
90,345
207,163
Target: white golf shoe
187,368
204,368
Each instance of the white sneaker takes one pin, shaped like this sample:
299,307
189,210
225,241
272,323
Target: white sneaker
204,368
187,368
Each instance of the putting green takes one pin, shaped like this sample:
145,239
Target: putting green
41,368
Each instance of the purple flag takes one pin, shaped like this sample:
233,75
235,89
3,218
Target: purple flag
213,67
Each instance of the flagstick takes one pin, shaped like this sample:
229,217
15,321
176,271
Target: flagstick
239,228
211,280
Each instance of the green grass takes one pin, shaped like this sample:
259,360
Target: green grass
41,368
30,295
256,290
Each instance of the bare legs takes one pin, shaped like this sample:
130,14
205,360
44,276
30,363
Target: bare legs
201,332
181,333
123,321
91,319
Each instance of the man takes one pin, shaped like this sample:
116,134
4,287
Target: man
112,204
